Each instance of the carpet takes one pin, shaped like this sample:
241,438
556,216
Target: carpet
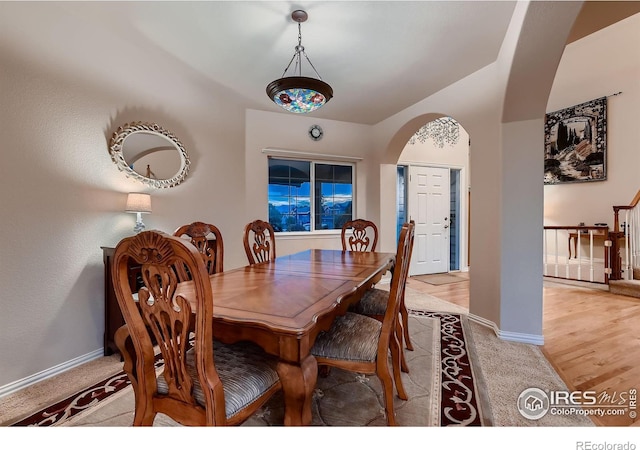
445,388
439,278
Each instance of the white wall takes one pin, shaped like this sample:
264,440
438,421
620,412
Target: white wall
601,64
289,132
451,154
62,197
475,103
487,104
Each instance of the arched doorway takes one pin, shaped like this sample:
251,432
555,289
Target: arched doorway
502,106
432,186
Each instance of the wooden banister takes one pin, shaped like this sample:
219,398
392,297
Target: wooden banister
635,200
617,235
617,209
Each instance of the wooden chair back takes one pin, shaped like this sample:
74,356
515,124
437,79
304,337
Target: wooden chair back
208,240
398,284
364,237
342,345
162,317
259,242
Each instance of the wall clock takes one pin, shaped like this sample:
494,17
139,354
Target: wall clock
315,132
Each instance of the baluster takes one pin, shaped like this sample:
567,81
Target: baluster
627,259
567,274
557,262
633,250
544,251
591,255
579,255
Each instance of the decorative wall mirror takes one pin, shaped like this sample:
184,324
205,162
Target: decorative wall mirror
150,154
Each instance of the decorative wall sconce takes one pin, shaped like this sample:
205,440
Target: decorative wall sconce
139,204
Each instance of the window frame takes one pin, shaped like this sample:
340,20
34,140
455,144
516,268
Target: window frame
312,181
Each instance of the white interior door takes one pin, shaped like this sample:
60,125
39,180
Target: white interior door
429,206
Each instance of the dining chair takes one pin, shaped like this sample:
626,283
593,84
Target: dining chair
204,382
364,237
361,344
259,242
374,304
208,240
360,235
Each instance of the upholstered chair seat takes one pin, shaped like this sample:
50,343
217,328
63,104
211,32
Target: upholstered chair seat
363,344
352,337
373,302
245,370
201,383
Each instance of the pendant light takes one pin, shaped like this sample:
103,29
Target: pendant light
298,94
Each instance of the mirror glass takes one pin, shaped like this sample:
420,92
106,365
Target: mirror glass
150,154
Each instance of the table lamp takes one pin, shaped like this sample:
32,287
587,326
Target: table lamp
139,204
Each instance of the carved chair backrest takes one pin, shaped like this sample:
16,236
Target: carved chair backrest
398,284
364,237
259,242
161,316
208,240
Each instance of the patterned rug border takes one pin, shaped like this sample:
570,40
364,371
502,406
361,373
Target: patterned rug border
82,400
463,400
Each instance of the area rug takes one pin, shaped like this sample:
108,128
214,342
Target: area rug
444,385
439,278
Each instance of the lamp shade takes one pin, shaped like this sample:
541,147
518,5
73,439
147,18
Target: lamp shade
299,94
138,203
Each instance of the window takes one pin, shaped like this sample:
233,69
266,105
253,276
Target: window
309,196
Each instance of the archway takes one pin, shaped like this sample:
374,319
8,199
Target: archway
502,107
432,189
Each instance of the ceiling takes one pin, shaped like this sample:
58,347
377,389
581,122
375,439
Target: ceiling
379,56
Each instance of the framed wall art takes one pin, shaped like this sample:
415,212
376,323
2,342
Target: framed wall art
575,143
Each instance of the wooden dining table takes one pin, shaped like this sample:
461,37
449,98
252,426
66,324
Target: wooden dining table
283,304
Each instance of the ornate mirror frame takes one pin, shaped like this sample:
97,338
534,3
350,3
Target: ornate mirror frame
116,150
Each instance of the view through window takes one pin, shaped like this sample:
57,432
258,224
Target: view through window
308,195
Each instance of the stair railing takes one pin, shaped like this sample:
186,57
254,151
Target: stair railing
629,233
565,258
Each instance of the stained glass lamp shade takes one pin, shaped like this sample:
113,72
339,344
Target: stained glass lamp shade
298,94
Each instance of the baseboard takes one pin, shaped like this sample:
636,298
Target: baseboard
510,336
56,370
524,338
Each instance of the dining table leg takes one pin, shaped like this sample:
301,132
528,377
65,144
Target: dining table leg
298,383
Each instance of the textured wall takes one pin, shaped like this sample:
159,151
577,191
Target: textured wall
600,64
62,197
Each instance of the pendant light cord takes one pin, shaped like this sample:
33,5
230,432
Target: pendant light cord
300,49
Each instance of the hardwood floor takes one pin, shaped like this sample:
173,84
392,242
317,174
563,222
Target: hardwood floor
592,337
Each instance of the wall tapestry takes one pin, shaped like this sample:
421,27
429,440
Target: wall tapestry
575,143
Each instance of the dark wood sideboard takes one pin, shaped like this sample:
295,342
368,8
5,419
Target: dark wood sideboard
112,315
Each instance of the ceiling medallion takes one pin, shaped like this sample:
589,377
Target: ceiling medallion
298,94
444,129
